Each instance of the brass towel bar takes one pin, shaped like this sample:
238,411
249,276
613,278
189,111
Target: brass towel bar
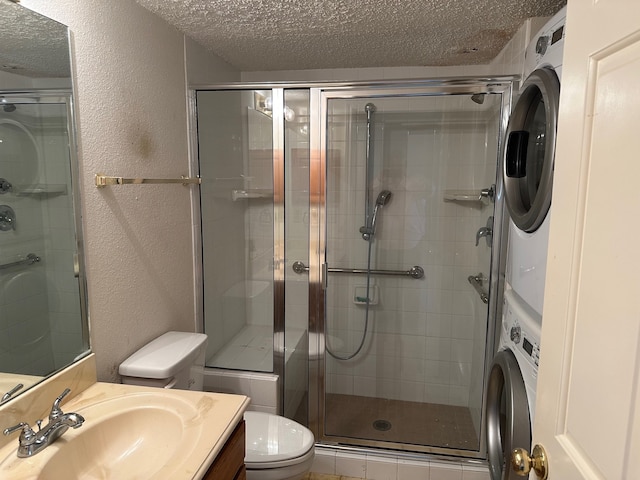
104,180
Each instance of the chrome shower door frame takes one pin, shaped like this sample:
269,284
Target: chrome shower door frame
320,97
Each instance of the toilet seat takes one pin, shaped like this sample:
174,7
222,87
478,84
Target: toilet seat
281,463
273,441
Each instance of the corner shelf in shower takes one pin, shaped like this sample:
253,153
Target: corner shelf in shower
254,193
42,190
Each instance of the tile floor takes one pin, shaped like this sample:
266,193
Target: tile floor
323,476
410,422
331,464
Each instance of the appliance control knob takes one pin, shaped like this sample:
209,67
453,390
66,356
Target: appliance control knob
515,334
541,45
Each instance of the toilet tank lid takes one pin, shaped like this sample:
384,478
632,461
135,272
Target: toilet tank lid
165,356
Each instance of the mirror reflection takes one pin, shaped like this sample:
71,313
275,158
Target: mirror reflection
43,325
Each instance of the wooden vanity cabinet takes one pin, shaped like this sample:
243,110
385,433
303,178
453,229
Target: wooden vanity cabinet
229,464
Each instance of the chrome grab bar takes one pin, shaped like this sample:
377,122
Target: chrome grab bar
415,272
477,282
30,259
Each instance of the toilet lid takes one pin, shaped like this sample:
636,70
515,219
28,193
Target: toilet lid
271,438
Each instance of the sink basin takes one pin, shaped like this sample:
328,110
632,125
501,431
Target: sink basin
135,437
133,433
130,432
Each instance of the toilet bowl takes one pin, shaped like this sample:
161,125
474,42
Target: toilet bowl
277,448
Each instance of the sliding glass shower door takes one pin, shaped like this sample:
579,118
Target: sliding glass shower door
407,256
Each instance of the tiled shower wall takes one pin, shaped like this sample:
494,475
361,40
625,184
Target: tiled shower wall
426,337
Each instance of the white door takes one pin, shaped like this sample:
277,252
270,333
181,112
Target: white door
588,405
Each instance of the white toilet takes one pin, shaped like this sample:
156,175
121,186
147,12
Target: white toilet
276,448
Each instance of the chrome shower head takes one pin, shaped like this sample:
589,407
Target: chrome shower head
368,231
478,98
383,198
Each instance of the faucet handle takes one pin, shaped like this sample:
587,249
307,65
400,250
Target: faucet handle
27,437
56,411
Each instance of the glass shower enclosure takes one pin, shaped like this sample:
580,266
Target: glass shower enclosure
256,311
407,263
351,241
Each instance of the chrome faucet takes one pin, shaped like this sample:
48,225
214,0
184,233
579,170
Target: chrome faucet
32,442
486,232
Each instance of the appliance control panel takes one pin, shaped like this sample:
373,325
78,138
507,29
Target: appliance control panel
530,347
522,327
546,47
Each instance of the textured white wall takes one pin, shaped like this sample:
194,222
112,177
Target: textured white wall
132,121
204,68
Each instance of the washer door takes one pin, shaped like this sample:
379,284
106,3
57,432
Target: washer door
530,150
507,415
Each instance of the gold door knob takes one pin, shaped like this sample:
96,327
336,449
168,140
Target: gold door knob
522,463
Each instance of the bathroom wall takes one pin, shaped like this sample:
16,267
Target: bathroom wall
129,71
364,74
12,81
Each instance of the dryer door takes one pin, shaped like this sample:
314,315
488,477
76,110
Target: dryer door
507,414
530,150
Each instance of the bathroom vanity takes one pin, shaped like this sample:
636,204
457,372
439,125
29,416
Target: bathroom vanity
230,462
128,431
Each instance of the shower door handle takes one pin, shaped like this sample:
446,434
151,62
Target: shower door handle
323,275
299,267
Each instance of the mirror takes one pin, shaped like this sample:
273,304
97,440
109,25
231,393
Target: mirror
43,314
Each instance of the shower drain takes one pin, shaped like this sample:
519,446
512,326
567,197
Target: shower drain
382,425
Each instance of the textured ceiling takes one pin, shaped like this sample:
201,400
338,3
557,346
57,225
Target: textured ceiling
32,45
306,34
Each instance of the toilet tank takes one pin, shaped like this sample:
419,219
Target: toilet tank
173,360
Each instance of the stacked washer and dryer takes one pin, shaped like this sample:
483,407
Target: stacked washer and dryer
528,177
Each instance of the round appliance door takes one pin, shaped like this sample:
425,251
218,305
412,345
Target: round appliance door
530,150
507,415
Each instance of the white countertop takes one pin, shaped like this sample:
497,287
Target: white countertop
212,419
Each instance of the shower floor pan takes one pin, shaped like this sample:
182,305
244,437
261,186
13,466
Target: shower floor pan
400,421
